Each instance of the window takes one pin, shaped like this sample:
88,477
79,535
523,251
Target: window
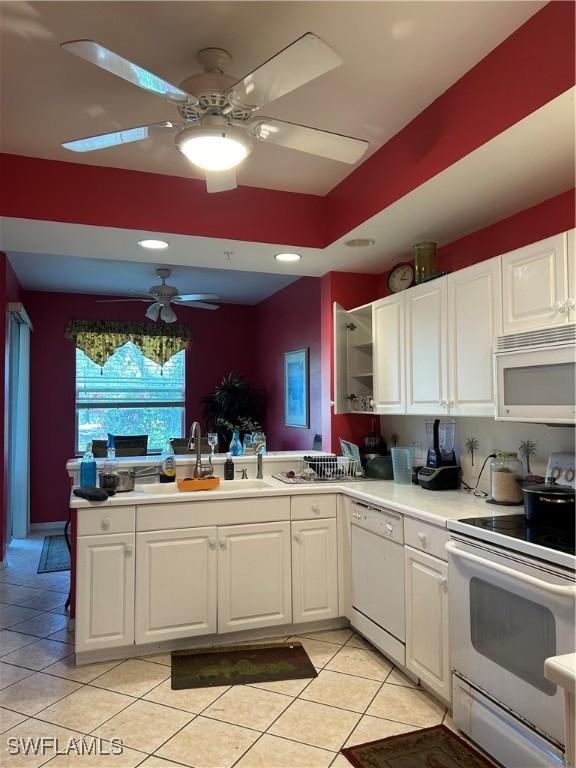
129,395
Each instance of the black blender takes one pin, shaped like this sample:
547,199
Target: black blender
442,472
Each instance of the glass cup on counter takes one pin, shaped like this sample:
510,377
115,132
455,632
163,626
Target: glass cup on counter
248,444
213,441
402,460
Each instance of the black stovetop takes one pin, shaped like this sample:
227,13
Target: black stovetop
517,527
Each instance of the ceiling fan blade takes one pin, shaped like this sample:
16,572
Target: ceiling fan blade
121,67
221,181
333,146
194,297
111,301
198,305
304,60
114,139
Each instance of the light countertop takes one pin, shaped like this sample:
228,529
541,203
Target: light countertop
562,671
436,507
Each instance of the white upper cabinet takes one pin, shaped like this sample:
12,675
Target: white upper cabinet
254,576
388,325
353,364
571,253
474,320
426,348
188,559
535,285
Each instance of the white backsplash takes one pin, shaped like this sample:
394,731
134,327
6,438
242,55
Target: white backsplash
491,435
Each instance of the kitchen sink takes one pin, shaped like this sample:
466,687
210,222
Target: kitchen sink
161,489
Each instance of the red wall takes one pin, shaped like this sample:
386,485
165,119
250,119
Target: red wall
221,341
286,321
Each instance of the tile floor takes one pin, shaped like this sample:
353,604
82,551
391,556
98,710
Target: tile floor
358,696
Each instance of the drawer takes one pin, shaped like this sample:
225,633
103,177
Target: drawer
426,538
107,520
311,506
158,517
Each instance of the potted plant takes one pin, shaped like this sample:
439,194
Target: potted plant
234,406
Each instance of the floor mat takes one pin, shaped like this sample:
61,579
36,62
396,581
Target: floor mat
54,556
435,747
240,664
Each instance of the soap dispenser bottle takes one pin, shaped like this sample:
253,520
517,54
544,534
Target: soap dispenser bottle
88,469
168,465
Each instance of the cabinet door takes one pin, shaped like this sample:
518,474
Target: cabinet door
314,570
474,310
427,652
254,583
105,591
426,348
341,320
388,328
176,584
535,285
571,255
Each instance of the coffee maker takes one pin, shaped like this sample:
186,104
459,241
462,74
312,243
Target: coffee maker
442,472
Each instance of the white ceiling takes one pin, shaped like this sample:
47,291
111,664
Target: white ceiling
398,57
507,174
69,274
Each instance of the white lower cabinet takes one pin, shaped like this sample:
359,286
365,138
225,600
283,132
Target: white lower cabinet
427,650
314,570
176,577
105,591
254,582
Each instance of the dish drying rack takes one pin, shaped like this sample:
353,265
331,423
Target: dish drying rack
322,469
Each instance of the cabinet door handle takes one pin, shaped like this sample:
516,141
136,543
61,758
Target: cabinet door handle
128,550
222,543
105,524
212,543
444,584
389,527
423,540
570,305
298,538
560,306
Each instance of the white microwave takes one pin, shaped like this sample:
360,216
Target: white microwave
535,376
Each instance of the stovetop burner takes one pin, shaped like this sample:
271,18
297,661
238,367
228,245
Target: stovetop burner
516,526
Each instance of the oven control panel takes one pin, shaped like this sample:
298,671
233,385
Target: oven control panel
561,469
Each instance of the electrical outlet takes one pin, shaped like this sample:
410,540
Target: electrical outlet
418,455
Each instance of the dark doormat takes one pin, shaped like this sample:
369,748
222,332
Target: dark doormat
240,664
435,747
54,556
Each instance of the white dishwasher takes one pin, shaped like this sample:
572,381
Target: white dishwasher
378,578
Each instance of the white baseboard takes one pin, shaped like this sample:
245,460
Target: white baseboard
48,526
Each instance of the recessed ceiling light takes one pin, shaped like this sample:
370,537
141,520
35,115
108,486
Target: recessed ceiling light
287,257
156,245
359,242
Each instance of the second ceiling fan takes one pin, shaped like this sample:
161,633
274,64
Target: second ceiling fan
217,128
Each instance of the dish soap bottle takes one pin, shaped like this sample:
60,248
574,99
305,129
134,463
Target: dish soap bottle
228,468
235,446
88,469
168,465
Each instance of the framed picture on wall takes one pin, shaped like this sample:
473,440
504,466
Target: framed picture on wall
296,389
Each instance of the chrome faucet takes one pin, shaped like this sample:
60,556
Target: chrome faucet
259,475
196,438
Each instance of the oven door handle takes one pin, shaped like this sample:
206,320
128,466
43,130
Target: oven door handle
554,589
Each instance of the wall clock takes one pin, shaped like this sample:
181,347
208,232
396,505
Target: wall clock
401,277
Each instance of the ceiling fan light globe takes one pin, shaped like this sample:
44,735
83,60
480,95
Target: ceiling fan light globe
167,314
214,148
153,311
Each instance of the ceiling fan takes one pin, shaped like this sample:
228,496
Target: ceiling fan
217,128
163,295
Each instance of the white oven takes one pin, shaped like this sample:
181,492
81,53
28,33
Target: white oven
509,614
536,376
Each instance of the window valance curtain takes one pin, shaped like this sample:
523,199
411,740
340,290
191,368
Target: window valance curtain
99,339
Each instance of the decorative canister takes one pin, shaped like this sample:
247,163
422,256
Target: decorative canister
506,478
424,260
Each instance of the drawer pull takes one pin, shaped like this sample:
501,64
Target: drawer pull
105,524
423,540
316,508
